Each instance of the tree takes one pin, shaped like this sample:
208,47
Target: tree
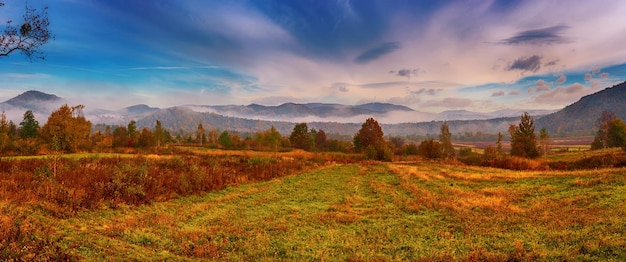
224,140
29,127
66,128
133,133
120,137
616,136
544,140
200,134
523,138
320,140
499,143
28,37
602,123
370,134
300,137
445,137
146,138
430,149
4,132
159,133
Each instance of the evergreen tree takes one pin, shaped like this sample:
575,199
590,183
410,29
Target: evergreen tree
29,127
300,137
224,140
523,138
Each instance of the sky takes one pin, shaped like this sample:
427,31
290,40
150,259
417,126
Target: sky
431,56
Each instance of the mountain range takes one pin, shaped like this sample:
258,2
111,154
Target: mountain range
575,119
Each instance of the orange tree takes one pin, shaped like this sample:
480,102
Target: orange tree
370,139
66,129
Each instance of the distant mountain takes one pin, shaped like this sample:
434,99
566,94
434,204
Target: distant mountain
333,118
295,112
183,120
40,103
579,118
383,107
32,97
469,115
119,117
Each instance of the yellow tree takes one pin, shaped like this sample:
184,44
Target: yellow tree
66,128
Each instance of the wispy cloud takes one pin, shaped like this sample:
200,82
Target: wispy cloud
376,52
543,36
450,102
405,72
172,67
532,64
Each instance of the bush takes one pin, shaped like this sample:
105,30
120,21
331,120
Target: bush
380,152
430,149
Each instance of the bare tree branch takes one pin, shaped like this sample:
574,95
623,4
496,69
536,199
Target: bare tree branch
29,36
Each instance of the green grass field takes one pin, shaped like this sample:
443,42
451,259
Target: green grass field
423,211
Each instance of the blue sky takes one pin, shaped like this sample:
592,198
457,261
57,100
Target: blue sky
431,56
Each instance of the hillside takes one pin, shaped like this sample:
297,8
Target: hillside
182,120
579,118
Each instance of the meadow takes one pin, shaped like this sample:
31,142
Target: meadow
199,204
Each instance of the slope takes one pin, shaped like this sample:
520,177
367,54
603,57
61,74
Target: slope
579,118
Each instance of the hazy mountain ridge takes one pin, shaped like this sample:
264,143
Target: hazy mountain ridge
576,119
579,118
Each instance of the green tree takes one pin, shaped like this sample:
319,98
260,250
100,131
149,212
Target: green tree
445,138
66,128
29,127
27,37
523,138
133,133
224,140
616,136
370,134
300,137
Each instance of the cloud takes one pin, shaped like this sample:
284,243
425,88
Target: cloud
450,102
524,63
540,86
604,75
377,52
588,77
407,100
543,36
408,73
429,91
513,93
341,87
497,93
564,94
561,79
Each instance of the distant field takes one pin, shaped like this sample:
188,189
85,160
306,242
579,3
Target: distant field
362,211
557,145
